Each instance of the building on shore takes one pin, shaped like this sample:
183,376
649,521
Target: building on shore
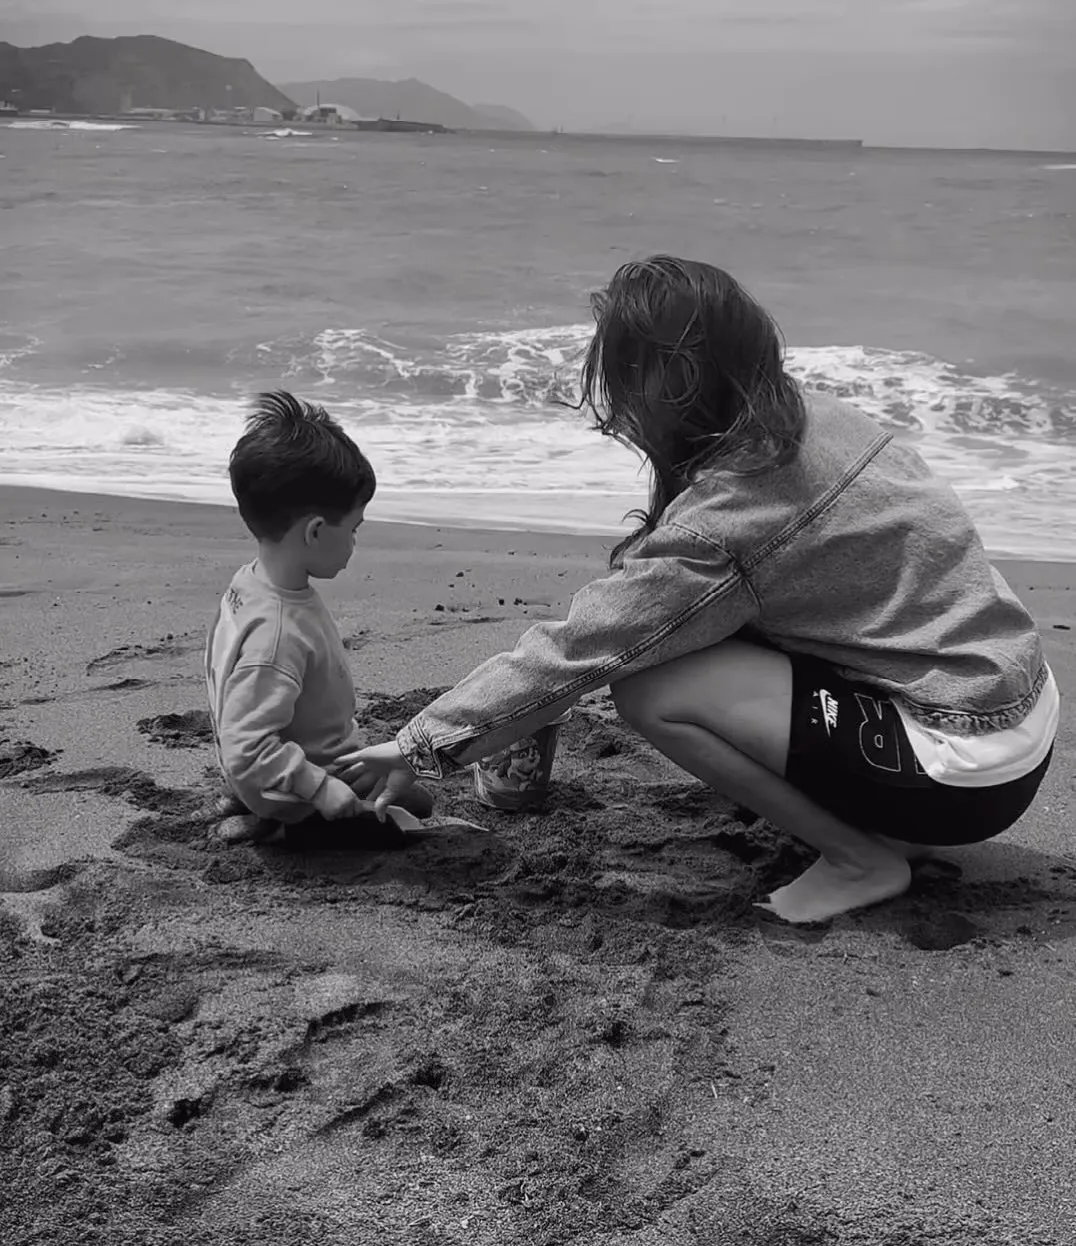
150,114
347,118
330,114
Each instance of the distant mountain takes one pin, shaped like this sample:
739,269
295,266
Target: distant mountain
410,100
502,118
93,75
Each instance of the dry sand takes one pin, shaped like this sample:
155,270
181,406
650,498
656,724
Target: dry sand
565,1028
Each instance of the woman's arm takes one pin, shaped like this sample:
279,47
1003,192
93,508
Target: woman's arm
677,592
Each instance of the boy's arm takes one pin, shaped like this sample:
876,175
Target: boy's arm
257,707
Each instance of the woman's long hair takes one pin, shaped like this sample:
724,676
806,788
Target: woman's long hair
686,367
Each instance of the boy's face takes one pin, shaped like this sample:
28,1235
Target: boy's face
332,544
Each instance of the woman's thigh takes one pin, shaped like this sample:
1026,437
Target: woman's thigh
737,691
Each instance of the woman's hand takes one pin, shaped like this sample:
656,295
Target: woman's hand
384,763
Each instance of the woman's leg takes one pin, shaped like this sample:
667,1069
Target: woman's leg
723,714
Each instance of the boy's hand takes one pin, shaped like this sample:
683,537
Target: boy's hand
334,800
386,763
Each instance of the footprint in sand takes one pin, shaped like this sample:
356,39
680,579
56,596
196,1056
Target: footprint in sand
19,756
191,729
168,647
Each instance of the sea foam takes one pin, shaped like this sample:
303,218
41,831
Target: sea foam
493,416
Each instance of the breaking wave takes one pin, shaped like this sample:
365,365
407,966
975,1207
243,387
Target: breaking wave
534,368
54,123
479,428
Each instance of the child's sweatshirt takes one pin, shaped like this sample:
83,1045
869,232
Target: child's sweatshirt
280,694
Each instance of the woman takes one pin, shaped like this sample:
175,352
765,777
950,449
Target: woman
805,617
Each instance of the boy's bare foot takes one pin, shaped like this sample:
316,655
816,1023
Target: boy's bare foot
228,806
247,828
826,890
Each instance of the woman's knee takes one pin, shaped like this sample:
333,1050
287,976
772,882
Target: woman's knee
661,693
638,698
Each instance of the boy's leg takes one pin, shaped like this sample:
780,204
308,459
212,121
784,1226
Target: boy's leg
723,714
237,825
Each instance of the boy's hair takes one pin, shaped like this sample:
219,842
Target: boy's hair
293,461
686,367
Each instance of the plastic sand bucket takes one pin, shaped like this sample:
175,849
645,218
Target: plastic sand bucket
518,776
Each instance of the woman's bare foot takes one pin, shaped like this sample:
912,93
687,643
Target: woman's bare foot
909,851
826,890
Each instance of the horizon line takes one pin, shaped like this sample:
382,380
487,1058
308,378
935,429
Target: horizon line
772,140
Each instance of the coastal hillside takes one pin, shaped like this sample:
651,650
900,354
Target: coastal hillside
502,118
410,100
91,75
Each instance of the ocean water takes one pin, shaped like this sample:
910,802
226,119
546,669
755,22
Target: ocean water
432,291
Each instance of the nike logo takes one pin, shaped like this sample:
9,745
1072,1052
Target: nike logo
830,710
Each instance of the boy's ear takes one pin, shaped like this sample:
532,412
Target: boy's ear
312,529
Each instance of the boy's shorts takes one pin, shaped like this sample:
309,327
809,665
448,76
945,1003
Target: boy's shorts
848,751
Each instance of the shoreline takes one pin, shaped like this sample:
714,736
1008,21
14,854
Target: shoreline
35,494
420,509
203,515
536,134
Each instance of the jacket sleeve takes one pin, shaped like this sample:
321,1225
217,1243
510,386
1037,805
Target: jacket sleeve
264,770
677,592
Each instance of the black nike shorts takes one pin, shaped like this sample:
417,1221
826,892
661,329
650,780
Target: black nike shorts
848,751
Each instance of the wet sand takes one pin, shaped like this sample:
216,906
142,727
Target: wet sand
559,1028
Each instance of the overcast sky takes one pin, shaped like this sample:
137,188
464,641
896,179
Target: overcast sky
935,72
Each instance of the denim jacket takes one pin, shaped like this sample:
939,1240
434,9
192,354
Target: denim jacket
853,552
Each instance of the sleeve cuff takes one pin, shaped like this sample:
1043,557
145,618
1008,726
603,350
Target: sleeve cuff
419,753
307,782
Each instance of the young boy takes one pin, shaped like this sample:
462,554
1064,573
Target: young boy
280,692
